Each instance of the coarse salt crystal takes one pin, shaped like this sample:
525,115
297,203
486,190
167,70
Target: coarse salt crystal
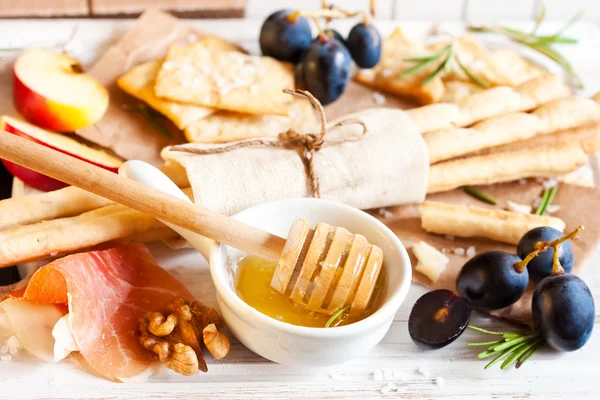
387,214
423,371
459,251
550,183
444,250
4,349
377,376
378,98
336,376
552,208
522,181
518,208
449,237
390,387
471,251
440,381
168,65
381,211
192,37
6,358
387,72
54,254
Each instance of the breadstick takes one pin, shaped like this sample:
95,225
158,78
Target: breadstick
586,136
468,221
31,242
505,167
67,202
489,103
34,208
561,114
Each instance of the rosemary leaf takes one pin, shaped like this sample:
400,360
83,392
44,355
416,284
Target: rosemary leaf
470,75
542,205
429,57
435,73
11,49
549,195
570,23
540,18
479,195
336,315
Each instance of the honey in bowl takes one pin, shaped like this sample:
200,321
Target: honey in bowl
253,285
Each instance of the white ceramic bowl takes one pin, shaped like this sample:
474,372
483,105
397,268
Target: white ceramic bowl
279,341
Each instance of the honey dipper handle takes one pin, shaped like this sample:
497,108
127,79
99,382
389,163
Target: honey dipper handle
140,197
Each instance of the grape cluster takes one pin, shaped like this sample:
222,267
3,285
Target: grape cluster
562,307
324,63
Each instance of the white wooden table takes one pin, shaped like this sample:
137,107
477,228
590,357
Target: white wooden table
245,375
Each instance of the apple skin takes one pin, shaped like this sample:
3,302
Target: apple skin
52,115
35,179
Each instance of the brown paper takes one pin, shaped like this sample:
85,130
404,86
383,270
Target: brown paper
130,135
575,204
196,8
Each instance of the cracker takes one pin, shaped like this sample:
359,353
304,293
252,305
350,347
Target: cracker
469,221
457,89
227,126
489,103
384,76
505,167
228,80
139,83
517,69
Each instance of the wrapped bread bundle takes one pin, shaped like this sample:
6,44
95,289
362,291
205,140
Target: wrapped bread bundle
373,158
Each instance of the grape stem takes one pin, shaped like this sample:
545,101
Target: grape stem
541,247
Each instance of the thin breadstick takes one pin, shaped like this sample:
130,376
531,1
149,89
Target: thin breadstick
34,208
489,103
468,221
113,222
586,136
67,202
562,114
505,167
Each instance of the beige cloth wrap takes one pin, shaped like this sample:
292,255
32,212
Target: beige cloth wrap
389,165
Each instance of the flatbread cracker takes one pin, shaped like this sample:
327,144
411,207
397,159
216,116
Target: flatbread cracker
139,83
384,76
227,126
202,75
517,69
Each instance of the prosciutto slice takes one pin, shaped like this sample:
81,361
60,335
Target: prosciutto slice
107,292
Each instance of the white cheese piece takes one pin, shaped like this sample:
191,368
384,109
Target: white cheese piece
432,263
518,208
64,341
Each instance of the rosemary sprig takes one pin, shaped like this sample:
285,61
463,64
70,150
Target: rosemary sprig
11,49
149,115
337,315
547,199
511,347
479,195
543,44
445,65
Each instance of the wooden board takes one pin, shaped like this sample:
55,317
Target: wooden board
243,374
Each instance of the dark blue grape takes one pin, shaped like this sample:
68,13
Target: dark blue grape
437,319
541,266
489,281
364,43
563,311
327,68
283,39
299,77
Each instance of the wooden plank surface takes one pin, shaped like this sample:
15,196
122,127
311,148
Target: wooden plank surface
200,8
43,8
244,375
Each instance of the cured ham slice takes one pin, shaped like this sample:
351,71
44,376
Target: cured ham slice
107,292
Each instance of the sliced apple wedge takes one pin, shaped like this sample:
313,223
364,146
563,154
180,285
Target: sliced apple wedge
51,91
58,142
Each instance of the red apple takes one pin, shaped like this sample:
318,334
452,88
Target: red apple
58,142
51,91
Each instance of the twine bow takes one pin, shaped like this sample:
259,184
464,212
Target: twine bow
307,143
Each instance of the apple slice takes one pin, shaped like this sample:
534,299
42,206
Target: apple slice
55,141
51,91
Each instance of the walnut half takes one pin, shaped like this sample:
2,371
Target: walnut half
176,338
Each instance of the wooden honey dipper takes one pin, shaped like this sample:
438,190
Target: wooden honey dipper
323,269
